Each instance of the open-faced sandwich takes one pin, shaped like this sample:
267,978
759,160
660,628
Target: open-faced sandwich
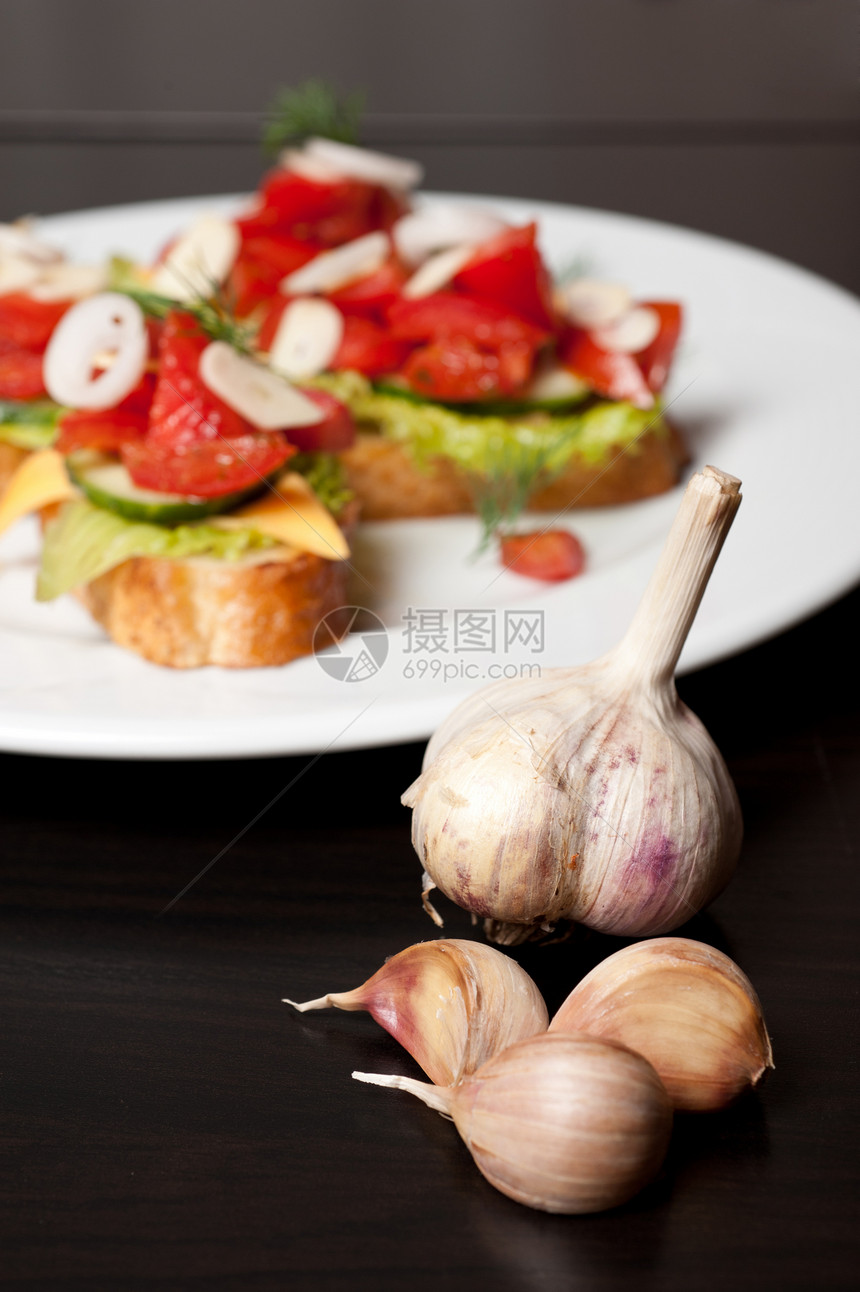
204,434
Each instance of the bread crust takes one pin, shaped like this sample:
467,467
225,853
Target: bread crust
391,486
245,614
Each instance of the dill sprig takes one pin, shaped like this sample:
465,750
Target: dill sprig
502,490
312,108
214,314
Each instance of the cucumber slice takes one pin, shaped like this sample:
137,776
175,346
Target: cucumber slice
29,424
107,484
538,402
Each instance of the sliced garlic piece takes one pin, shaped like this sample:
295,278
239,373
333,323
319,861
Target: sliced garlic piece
18,240
18,274
332,269
261,396
70,282
557,383
591,303
308,337
436,272
199,261
309,167
434,228
106,322
631,333
362,163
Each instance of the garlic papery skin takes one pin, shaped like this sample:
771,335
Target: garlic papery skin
560,1122
590,794
452,1004
687,1008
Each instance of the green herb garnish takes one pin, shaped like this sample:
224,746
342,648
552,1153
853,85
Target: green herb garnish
312,109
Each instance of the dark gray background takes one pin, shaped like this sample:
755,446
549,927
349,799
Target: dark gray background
739,117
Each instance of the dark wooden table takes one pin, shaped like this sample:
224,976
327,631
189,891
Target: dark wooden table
166,1122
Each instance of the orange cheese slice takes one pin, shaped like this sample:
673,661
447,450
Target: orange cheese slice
291,512
40,479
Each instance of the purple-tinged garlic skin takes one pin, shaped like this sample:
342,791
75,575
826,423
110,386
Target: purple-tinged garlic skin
687,1008
590,794
451,1003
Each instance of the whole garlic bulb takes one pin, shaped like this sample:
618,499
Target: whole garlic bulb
560,1122
687,1008
590,794
452,1004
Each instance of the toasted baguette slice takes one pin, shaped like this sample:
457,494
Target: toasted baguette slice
390,485
242,614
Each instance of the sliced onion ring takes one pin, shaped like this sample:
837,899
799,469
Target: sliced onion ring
434,228
307,338
631,333
261,396
108,322
362,163
332,269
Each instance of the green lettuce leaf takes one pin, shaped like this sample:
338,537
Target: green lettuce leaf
30,424
85,541
325,474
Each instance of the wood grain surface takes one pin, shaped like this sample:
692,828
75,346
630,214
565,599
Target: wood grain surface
167,1123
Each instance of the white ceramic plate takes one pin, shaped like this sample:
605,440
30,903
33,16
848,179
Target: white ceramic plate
765,388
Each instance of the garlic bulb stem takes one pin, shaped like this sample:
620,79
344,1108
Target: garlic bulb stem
436,1097
651,647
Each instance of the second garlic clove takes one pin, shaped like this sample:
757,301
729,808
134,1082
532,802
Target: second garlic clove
687,1008
451,1003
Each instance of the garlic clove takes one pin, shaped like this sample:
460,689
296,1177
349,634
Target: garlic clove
199,261
309,167
590,303
445,224
630,333
332,269
362,163
69,282
307,338
561,1122
452,1004
590,794
18,274
687,1008
436,272
261,396
108,322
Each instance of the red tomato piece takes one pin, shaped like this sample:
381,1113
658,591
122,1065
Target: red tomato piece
261,264
447,314
366,347
29,323
509,270
608,372
373,295
551,555
333,435
184,411
20,372
272,317
207,468
327,213
456,370
104,431
656,359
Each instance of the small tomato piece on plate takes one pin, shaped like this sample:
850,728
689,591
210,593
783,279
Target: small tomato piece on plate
333,434
551,555
207,468
509,270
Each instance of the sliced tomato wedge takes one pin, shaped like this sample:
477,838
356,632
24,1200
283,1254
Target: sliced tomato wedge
656,359
374,295
184,411
261,264
20,372
448,314
326,213
29,323
553,555
509,270
332,435
369,348
207,468
608,372
271,318
458,370
107,429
